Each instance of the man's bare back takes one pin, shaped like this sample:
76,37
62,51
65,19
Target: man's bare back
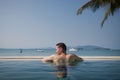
58,59
61,57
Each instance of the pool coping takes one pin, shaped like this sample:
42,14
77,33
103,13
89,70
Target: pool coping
40,57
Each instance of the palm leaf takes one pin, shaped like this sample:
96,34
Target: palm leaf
105,16
83,7
112,9
94,5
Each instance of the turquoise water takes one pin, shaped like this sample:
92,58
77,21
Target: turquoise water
37,70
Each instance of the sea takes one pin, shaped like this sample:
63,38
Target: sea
38,70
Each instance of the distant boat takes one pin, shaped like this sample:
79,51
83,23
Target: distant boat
40,50
72,49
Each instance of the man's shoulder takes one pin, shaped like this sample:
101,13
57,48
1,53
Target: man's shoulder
69,55
74,57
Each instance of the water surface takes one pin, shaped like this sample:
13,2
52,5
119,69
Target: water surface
37,70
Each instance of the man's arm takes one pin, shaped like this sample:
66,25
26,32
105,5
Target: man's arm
48,59
77,57
73,59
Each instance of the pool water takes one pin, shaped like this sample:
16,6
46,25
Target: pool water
37,70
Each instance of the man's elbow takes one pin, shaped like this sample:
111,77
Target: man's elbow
80,59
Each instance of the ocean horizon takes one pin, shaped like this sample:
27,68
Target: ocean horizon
50,51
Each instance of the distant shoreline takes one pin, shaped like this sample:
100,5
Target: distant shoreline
40,57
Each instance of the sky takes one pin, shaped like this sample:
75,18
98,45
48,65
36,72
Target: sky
43,23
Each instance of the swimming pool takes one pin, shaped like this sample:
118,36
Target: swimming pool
37,70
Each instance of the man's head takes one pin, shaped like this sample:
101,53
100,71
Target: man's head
61,48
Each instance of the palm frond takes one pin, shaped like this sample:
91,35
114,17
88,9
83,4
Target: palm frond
94,5
83,7
105,16
112,9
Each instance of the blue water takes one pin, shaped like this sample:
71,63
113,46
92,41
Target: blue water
37,70
47,52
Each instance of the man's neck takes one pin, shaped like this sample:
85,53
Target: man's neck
63,54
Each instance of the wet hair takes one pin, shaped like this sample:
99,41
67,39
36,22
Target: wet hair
62,45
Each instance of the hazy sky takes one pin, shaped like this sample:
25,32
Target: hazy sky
43,23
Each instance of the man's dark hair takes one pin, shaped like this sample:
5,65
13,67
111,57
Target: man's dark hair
62,45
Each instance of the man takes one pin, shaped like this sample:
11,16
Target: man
61,57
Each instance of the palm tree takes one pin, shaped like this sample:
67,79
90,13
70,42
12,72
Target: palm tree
112,5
